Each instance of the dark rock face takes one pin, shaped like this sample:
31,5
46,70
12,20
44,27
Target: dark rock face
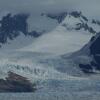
86,68
14,25
16,83
59,17
96,21
95,53
85,27
95,50
95,47
76,14
35,34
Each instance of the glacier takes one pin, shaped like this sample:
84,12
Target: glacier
52,60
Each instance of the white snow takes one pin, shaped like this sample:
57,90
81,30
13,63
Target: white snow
31,65
17,43
59,41
39,60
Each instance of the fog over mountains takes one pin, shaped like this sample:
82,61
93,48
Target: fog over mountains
50,47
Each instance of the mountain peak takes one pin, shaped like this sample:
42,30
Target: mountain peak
75,21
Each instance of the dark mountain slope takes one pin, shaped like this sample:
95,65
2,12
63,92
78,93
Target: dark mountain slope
14,25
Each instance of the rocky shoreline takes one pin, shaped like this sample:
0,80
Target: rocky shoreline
16,83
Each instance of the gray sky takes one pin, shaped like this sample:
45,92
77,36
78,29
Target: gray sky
90,8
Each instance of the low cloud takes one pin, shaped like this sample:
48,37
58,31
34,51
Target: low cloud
89,7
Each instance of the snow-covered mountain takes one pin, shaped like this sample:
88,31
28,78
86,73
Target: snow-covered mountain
73,32
88,58
16,29
53,53
76,21
70,35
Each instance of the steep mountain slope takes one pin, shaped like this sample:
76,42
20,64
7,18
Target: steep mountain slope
94,48
76,21
87,58
55,56
39,59
16,29
73,32
13,29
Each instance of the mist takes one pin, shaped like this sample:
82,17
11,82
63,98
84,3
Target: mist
89,7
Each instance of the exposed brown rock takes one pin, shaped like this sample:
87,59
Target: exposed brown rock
16,83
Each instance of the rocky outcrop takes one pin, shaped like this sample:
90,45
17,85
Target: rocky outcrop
16,83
